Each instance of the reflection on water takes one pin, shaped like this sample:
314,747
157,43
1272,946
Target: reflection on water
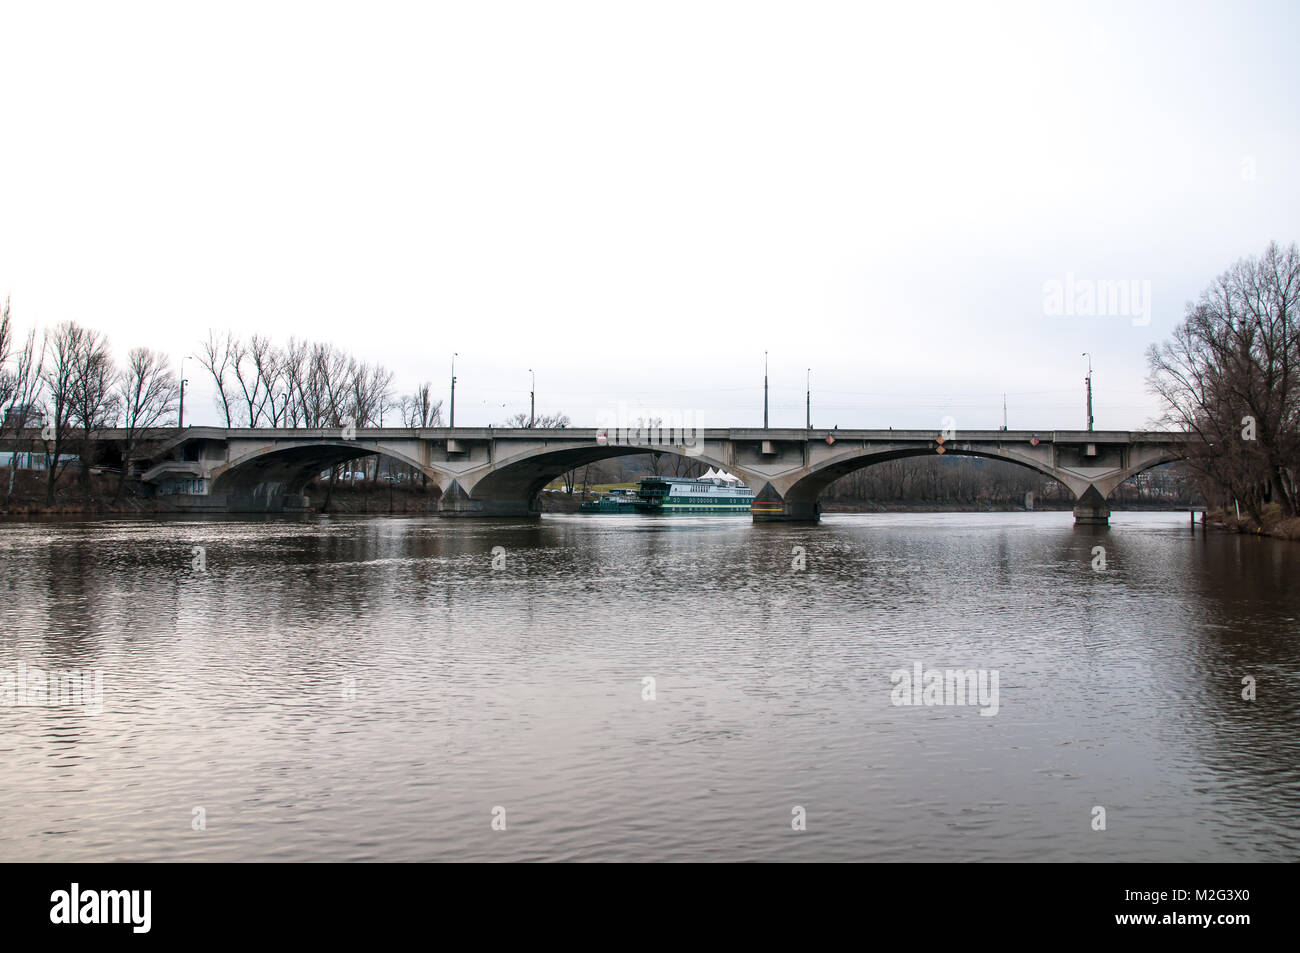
359,689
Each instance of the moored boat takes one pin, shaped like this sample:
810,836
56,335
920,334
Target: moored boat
708,494
615,501
715,492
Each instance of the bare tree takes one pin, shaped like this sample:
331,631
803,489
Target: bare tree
147,392
8,381
273,367
255,366
684,466
59,376
294,363
23,382
330,371
368,390
11,383
541,421
94,401
1229,374
217,354
420,409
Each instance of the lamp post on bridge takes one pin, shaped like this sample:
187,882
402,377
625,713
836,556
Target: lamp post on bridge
1088,381
452,412
807,410
765,390
532,400
180,414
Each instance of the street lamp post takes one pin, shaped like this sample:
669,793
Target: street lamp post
452,413
180,416
1088,382
532,400
807,420
765,390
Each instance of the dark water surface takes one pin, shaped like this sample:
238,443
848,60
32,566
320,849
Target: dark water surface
371,689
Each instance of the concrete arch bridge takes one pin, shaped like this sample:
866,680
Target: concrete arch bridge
487,472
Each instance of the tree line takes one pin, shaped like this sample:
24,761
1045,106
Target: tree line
66,381
1230,374
306,384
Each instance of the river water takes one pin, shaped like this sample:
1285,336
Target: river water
402,689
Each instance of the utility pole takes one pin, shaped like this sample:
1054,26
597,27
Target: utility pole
765,390
1088,381
532,401
181,415
807,407
453,389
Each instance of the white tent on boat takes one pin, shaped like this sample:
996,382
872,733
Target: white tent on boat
723,475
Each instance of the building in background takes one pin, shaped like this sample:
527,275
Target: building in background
24,415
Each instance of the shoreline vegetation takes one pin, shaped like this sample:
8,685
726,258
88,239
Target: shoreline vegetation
1228,375
1274,524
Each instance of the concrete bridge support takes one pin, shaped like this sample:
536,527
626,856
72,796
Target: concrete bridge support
1091,509
781,511
771,506
455,502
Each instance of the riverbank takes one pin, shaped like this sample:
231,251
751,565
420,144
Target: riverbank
98,496
73,496
985,506
370,498
1274,524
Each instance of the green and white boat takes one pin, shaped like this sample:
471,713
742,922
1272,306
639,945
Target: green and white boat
715,492
720,493
615,501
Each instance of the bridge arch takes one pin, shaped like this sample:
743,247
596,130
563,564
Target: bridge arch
271,470
801,497
513,485
808,488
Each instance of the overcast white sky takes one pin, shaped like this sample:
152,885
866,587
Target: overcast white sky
637,200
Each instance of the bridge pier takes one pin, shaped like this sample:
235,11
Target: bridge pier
788,513
1091,509
455,502
768,507
487,509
